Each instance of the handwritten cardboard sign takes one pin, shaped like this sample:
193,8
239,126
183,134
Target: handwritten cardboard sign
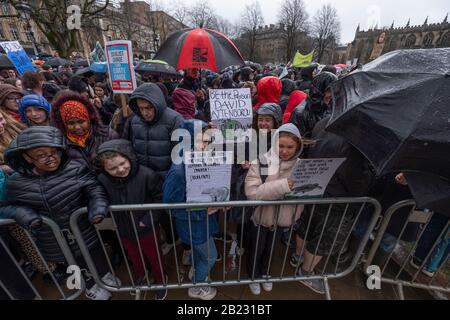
208,176
232,112
311,176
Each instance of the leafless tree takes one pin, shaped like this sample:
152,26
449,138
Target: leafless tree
224,26
180,12
294,17
326,30
251,19
51,17
202,15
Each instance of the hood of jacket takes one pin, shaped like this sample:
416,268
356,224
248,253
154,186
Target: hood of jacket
271,109
33,100
192,126
67,95
6,90
269,90
184,102
288,86
320,84
288,128
151,93
33,137
245,74
296,98
123,147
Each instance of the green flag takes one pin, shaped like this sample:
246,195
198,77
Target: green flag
302,61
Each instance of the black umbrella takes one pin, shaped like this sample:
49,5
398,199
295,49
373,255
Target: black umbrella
57,61
5,63
199,48
430,191
155,67
396,111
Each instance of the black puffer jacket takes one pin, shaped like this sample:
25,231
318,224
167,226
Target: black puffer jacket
142,185
306,117
57,195
152,140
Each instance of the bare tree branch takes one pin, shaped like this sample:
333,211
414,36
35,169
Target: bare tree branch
252,19
294,17
326,30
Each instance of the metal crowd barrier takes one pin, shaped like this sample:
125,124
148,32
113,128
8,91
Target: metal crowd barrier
37,288
396,268
220,275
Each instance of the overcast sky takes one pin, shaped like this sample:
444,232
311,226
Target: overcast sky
351,12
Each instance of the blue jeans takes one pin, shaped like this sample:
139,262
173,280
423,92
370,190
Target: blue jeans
388,241
202,262
429,237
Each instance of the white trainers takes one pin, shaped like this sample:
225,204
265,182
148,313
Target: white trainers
203,293
255,288
97,293
111,281
267,286
191,273
186,260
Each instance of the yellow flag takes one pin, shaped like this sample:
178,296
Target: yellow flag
302,61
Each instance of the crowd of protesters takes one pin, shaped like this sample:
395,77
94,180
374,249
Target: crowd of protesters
67,142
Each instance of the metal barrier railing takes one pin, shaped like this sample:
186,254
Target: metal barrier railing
28,242
344,212
410,274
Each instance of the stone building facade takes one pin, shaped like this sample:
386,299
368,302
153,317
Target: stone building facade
23,30
368,45
270,46
128,20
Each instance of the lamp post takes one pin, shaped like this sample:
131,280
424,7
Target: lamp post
25,11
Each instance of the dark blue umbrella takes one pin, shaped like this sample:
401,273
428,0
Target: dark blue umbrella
99,67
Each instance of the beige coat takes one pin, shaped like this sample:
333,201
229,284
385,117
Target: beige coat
275,188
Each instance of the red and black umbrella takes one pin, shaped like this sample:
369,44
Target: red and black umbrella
199,48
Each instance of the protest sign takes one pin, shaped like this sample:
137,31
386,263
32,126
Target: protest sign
208,176
18,56
119,55
232,113
311,176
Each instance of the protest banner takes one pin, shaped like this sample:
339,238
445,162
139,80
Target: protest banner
302,61
18,56
232,113
119,55
208,176
311,176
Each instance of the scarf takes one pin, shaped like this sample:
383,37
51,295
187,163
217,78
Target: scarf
75,109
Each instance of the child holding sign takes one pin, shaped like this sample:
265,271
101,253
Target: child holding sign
268,179
195,228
